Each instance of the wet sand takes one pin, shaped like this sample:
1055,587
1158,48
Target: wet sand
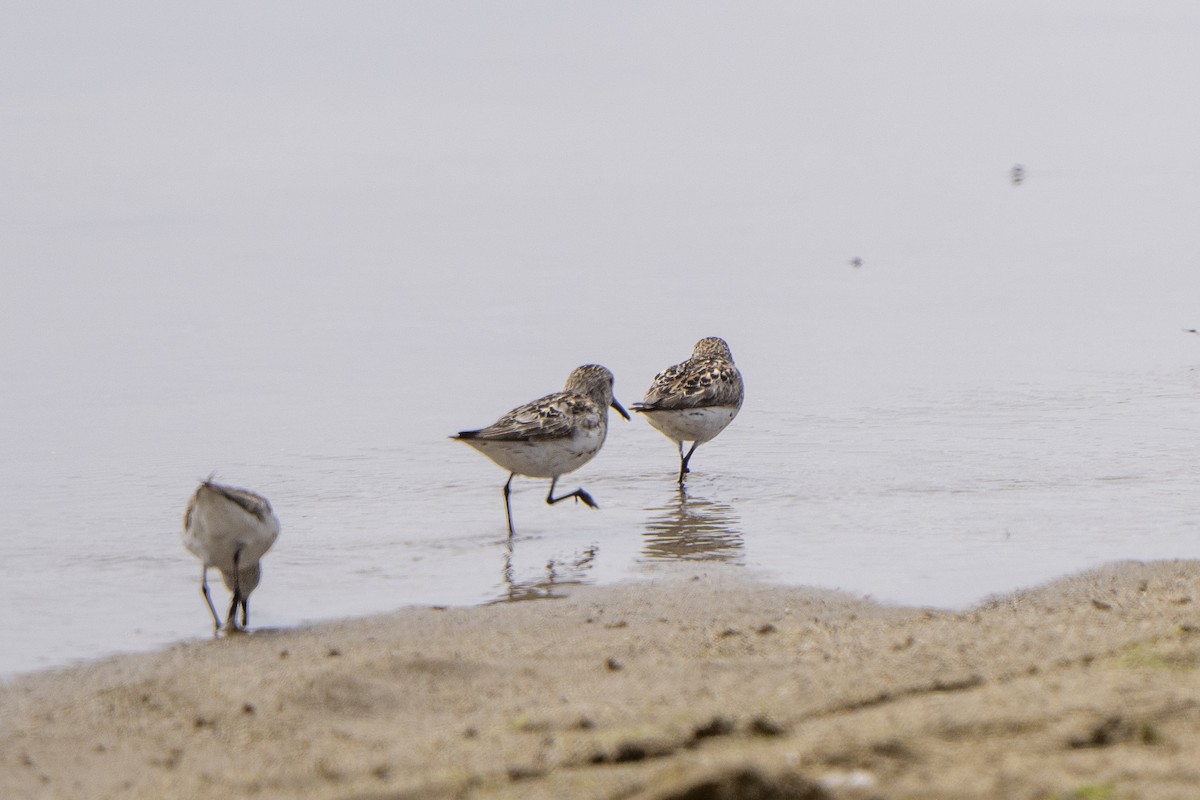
705,686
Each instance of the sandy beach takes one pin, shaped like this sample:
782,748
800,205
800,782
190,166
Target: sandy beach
701,686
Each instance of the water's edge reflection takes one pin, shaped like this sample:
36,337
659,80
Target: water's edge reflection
558,575
693,529
683,528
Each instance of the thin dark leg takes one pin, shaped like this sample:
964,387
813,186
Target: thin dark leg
683,460
578,494
237,589
507,506
208,598
245,612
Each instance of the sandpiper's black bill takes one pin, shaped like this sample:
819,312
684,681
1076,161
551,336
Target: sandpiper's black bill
620,410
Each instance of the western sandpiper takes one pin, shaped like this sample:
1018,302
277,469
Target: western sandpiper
229,529
552,436
695,400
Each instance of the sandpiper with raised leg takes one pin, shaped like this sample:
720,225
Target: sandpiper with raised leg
551,436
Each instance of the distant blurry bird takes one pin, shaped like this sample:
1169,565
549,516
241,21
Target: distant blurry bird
229,529
856,262
695,400
1017,175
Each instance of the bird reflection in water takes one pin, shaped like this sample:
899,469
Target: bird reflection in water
558,575
693,529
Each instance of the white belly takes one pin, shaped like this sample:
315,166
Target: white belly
543,459
697,425
220,528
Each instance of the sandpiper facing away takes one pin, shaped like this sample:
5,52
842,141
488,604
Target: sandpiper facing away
695,400
550,437
229,529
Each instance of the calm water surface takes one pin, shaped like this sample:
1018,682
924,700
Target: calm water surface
936,500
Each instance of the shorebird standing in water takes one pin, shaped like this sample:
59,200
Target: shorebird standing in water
229,529
695,400
552,436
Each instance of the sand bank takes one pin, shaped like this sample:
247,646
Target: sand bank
703,687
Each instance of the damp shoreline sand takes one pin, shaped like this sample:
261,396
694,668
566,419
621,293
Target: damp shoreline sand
702,687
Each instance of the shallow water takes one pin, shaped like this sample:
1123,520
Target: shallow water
305,279
937,503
